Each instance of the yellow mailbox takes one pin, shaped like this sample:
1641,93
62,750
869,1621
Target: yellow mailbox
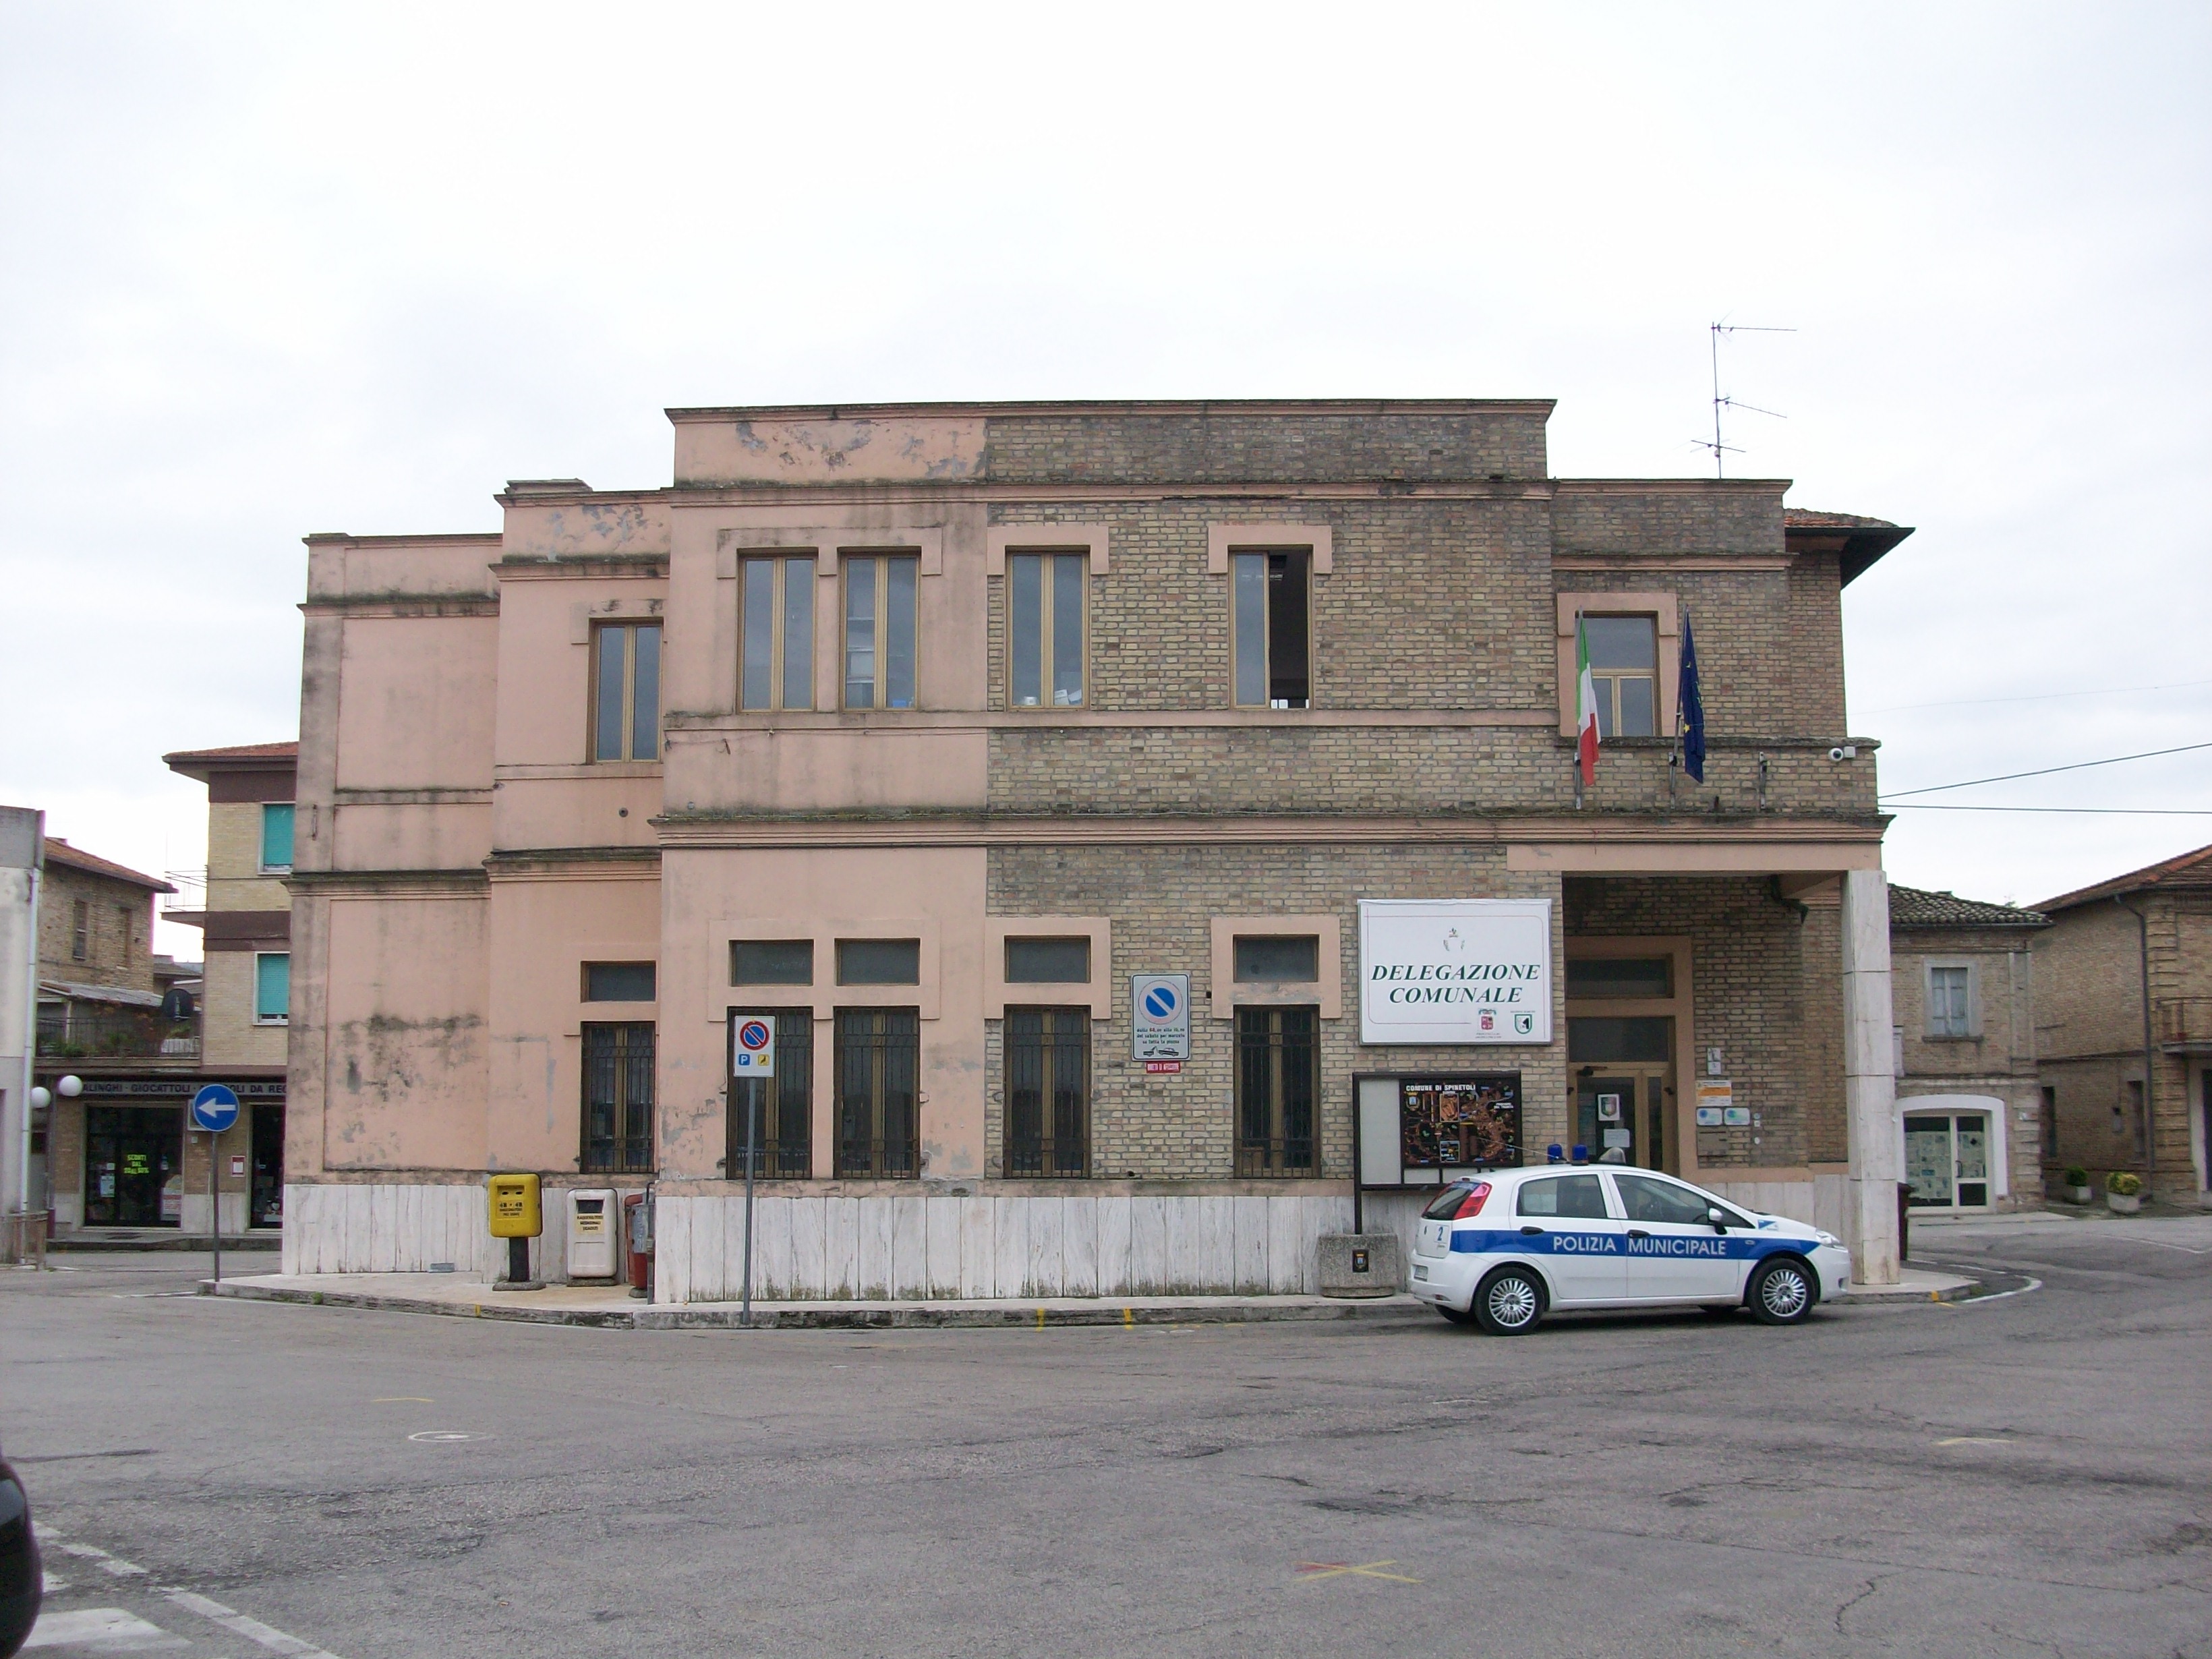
514,1207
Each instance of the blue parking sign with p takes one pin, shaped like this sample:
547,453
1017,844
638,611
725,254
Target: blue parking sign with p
752,1046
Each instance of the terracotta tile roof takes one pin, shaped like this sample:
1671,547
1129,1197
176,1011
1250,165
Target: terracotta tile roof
60,852
1916,907
1865,540
2192,870
1804,518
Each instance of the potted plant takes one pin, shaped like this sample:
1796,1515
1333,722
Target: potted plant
2074,1185
2123,1192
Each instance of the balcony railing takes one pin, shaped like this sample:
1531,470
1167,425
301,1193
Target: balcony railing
2186,1022
82,1033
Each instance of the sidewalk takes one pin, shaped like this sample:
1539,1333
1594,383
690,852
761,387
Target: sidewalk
613,1307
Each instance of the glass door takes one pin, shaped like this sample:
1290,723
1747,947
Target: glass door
1946,1160
134,1161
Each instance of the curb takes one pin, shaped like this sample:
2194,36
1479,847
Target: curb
921,1316
194,1244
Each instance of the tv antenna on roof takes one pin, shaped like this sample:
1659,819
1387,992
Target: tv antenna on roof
1723,402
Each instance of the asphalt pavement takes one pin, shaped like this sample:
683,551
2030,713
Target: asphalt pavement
2028,1473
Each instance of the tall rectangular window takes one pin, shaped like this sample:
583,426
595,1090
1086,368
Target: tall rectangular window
1048,1128
618,1099
1045,594
1624,655
277,835
878,1068
2051,1120
879,592
1277,1053
80,931
783,1105
272,987
1948,1015
626,691
777,629
123,930
1271,596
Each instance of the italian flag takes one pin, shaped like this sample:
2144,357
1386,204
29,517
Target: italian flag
1585,707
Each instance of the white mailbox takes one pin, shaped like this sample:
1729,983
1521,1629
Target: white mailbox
591,1235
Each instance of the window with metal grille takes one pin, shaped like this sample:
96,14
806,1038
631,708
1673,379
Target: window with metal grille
783,1133
878,1063
1048,1130
1277,1058
618,1099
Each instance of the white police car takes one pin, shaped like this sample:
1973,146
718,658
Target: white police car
1503,1248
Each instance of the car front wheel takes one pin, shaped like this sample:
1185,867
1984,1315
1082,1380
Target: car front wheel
1784,1294
1508,1302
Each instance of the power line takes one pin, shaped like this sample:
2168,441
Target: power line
2044,772
2117,811
2041,696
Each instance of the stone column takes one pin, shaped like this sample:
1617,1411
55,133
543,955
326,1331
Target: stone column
1877,1145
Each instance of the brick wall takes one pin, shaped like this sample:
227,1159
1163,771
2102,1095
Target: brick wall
1620,518
118,952
1229,446
1162,900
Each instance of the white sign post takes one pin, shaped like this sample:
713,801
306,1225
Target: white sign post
1456,971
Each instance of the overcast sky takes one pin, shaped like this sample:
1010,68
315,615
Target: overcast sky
271,269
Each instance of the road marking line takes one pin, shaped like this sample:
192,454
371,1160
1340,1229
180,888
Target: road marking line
1974,1440
1314,1570
404,1399
109,1629
231,1619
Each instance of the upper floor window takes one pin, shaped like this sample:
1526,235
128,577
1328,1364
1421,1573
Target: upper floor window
1271,595
277,835
1048,961
879,591
1949,1013
878,962
1045,604
1624,660
772,962
1278,958
80,931
272,987
626,691
777,629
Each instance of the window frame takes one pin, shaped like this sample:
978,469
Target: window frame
1227,993
1268,700
80,930
628,626
1608,682
290,833
1970,1028
1267,1029
882,559
1097,992
1061,1029
780,632
260,1018
584,981
1049,572
621,1138
849,1044
1665,609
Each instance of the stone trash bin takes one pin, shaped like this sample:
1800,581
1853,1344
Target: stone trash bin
1360,1264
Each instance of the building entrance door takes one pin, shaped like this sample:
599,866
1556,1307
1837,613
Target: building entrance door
267,1197
134,1164
1624,1110
1946,1160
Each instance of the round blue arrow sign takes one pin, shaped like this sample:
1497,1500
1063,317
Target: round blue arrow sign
214,1108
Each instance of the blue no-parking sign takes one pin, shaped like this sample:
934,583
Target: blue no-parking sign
215,1108
1160,1026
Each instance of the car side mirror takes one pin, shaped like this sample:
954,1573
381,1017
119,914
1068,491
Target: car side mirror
1719,1219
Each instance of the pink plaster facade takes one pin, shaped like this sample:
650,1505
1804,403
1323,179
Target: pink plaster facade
462,858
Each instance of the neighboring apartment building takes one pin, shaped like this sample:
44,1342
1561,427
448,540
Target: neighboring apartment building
122,1019
2123,1012
1963,979
907,738
246,927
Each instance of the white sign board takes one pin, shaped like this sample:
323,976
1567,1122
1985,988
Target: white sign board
752,1046
1159,1007
1454,970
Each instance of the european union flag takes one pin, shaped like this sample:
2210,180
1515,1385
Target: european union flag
1690,719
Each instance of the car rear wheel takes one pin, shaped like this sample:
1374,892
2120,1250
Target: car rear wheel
1508,1302
1783,1293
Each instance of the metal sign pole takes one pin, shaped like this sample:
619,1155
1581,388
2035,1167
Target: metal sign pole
752,1116
215,1204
